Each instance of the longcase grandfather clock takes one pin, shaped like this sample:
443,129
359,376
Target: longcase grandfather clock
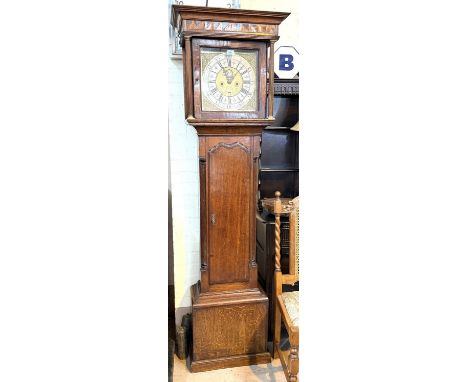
228,80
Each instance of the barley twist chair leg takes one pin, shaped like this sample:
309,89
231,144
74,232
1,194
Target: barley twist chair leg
277,333
277,277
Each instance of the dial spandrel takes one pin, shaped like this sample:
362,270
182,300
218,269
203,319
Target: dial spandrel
229,79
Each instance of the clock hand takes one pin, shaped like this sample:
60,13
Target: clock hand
229,76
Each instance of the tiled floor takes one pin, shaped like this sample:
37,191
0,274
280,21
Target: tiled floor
255,373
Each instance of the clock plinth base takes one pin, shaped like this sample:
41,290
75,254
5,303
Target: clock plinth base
229,329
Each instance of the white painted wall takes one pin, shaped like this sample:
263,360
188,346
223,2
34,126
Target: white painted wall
183,154
289,28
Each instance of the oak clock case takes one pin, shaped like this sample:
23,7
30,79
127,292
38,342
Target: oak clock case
227,57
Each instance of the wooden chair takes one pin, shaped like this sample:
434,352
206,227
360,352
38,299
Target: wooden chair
286,304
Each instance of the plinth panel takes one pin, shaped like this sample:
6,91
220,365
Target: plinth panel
230,330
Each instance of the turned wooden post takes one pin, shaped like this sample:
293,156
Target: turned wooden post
278,282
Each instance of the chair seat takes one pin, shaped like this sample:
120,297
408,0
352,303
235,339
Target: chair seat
291,302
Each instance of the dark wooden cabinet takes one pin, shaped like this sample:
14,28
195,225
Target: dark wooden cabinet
279,163
279,171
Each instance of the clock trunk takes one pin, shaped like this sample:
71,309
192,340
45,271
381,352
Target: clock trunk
228,180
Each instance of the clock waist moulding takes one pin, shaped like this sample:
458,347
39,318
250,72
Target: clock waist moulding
227,58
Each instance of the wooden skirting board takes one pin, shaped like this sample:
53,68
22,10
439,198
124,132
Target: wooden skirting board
233,361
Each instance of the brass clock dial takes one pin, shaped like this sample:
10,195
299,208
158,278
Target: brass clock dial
229,79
